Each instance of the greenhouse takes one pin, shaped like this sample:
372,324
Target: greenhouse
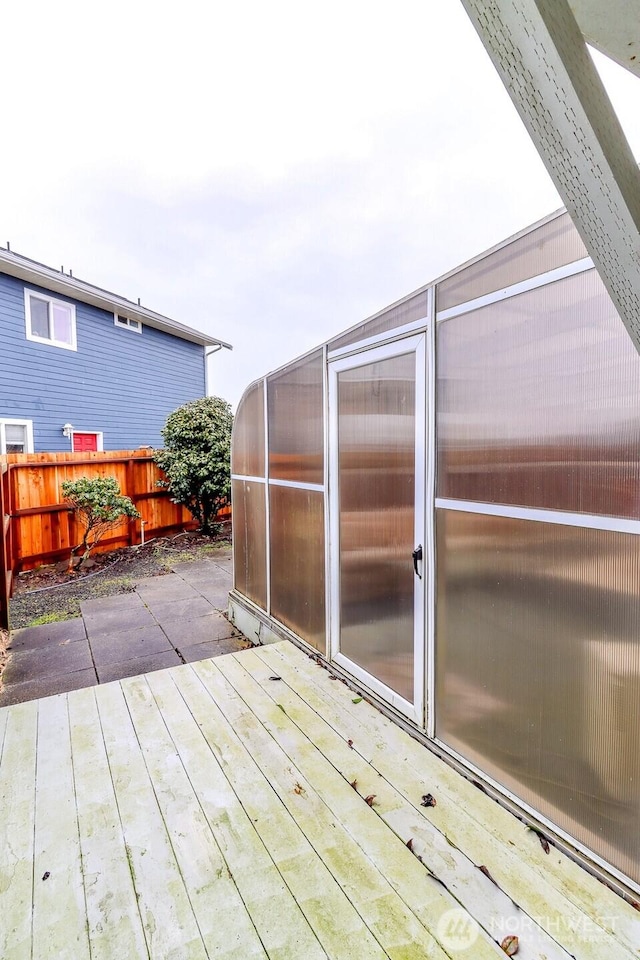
443,503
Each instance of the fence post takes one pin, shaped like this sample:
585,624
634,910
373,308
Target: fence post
131,483
6,559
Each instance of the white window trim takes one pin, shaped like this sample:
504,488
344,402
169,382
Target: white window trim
127,323
12,421
99,438
51,301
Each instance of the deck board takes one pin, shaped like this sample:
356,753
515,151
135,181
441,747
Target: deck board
59,908
168,920
491,908
207,811
585,916
17,793
255,716
282,928
327,909
113,917
227,933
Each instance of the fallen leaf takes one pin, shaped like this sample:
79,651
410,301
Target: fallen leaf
354,784
298,789
350,743
485,870
357,700
510,945
370,799
275,678
544,843
46,875
409,844
281,707
428,800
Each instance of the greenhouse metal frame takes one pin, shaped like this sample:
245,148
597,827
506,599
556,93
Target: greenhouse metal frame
444,504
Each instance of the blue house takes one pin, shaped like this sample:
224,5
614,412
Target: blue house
85,369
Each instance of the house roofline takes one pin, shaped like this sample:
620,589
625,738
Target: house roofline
23,268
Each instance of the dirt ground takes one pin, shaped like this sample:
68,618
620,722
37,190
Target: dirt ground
48,594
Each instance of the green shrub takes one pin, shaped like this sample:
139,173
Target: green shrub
197,458
99,506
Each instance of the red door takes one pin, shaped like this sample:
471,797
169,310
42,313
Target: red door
84,441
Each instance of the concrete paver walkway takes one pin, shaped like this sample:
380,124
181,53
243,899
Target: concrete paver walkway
167,620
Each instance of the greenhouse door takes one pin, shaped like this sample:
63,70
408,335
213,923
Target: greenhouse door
377,482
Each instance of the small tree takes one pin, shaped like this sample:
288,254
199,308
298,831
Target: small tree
197,458
99,506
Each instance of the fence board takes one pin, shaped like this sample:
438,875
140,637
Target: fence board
42,528
6,570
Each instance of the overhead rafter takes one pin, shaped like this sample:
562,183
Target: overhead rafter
612,27
541,55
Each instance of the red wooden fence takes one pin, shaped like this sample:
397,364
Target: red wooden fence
6,567
38,527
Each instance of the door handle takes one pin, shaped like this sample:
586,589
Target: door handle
417,555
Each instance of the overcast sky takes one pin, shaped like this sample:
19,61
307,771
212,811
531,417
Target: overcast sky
270,173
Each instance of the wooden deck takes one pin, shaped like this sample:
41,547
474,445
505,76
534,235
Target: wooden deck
218,810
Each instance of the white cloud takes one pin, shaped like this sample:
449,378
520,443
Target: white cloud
271,173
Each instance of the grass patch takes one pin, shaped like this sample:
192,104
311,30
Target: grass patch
54,617
166,558
124,583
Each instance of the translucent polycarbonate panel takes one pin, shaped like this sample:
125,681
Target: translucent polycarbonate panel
296,421
297,562
247,444
549,246
249,540
539,403
538,669
376,462
413,308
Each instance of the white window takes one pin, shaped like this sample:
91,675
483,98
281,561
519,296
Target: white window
127,322
16,436
49,320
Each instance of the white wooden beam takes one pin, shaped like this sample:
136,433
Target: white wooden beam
540,53
613,28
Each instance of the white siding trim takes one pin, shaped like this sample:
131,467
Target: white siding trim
98,434
16,422
127,323
51,301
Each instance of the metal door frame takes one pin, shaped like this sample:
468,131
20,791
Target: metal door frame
422,530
